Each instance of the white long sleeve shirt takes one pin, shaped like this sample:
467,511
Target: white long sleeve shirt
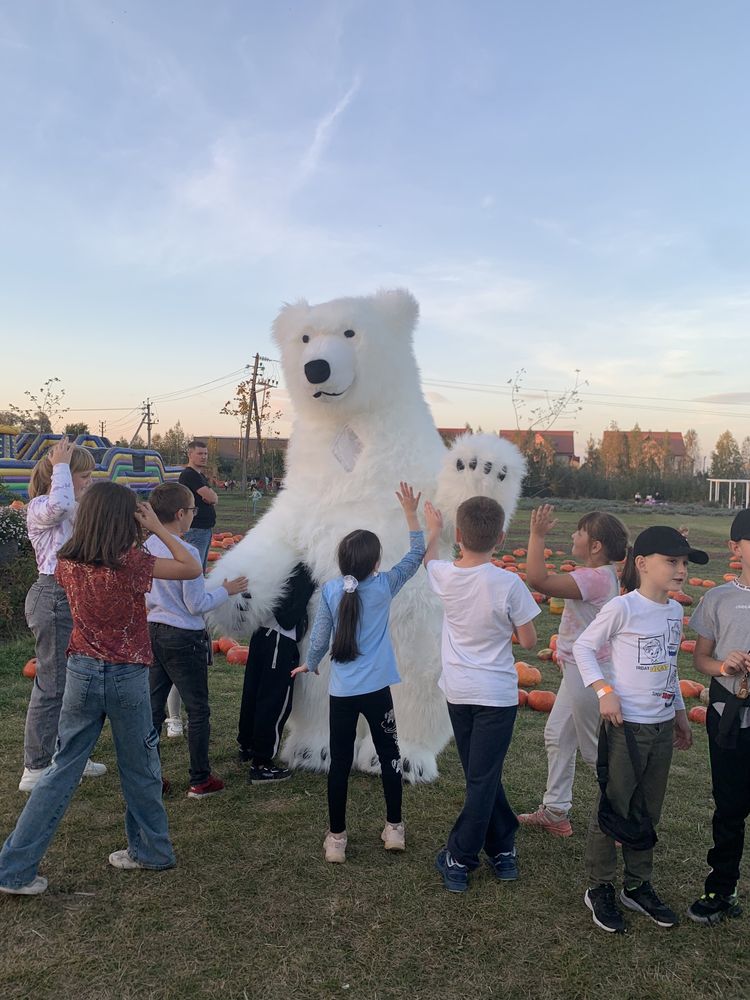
644,638
50,517
180,603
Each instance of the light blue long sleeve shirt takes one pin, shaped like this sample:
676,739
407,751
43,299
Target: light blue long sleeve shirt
180,603
375,667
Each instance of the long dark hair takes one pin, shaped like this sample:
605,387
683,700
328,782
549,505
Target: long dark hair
607,529
358,555
630,578
105,527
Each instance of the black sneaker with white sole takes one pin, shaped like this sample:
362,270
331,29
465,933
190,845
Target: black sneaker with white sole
712,908
268,774
643,899
604,911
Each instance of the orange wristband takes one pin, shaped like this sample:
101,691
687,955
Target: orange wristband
722,671
605,689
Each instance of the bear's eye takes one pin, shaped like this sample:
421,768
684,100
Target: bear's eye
348,333
305,338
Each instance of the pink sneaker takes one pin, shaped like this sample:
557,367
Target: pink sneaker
557,825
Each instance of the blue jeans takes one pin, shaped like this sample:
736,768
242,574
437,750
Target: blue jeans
201,539
95,690
486,821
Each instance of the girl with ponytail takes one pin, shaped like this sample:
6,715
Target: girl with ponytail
355,608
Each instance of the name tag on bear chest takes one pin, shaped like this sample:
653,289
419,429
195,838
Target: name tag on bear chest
346,449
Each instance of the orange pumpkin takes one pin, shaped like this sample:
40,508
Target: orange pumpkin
709,583
523,697
17,505
735,564
698,714
567,568
547,553
237,538
510,567
225,644
545,654
541,701
522,565
508,559
553,642
213,556
228,543
29,668
519,552
687,645
539,598
528,676
686,620
729,577
695,581
215,646
681,597
690,689
238,655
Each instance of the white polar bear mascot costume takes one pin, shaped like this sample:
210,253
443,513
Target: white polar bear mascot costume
361,424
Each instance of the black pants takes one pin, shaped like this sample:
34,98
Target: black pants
377,708
266,694
730,778
486,821
181,658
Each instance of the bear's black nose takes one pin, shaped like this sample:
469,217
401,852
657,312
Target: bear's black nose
317,371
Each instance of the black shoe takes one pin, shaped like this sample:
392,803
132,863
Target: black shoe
712,908
505,866
267,774
244,756
643,899
601,902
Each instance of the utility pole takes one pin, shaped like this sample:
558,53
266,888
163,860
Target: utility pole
148,420
102,427
248,415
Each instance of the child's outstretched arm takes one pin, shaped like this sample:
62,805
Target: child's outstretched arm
434,521
405,569
182,566
537,577
320,639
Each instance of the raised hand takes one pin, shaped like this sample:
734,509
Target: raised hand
61,451
542,520
405,496
236,586
145,516
433,519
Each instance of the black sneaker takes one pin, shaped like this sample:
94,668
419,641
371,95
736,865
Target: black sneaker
643,899
601,901
455,875
267,774
712,908
505,866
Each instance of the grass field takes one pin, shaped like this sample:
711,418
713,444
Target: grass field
252,910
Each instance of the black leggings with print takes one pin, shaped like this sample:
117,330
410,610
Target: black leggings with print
377,708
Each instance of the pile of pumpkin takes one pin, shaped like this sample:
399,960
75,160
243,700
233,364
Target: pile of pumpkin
233,650
509,561
220,542
530,677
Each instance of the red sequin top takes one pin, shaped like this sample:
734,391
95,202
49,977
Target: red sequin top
109,608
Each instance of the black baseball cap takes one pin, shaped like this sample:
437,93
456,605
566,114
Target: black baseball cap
740,526
665,541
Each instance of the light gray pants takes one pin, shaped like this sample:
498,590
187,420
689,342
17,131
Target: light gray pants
48,616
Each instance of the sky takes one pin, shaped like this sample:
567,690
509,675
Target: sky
562,184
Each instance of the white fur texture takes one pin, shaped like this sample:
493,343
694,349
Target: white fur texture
360,426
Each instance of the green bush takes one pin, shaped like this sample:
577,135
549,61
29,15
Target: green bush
15,579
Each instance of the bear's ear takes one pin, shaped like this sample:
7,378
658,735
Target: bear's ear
289,322
397,306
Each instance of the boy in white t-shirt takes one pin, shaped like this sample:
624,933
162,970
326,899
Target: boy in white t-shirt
484,605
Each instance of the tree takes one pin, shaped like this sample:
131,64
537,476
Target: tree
635,448
726,459
174,445
543,416
614,451
692,448
73,430
593,460
745,453
46,407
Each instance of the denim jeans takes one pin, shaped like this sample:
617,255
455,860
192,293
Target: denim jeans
95,691
486,821
48,616
181,658
200,538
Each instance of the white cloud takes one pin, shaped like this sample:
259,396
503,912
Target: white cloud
323,129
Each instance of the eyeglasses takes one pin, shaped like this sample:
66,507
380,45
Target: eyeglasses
188,509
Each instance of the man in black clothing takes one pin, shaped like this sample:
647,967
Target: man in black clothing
193,476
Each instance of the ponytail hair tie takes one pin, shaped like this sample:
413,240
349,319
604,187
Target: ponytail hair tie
350,584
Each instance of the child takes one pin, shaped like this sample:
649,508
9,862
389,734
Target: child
58,481
355,608
268,685
105,575
642,693
179,641
722,621
484,605
598,541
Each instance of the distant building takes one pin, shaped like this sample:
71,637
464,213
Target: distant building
664,450
561,443
230,448
449,434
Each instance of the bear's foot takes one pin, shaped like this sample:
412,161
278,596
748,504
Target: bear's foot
418,764
481,465
306,751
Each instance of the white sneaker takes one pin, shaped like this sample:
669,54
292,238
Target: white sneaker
29,778
121,859
394,837
334,846
38,885
94,770
174,728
